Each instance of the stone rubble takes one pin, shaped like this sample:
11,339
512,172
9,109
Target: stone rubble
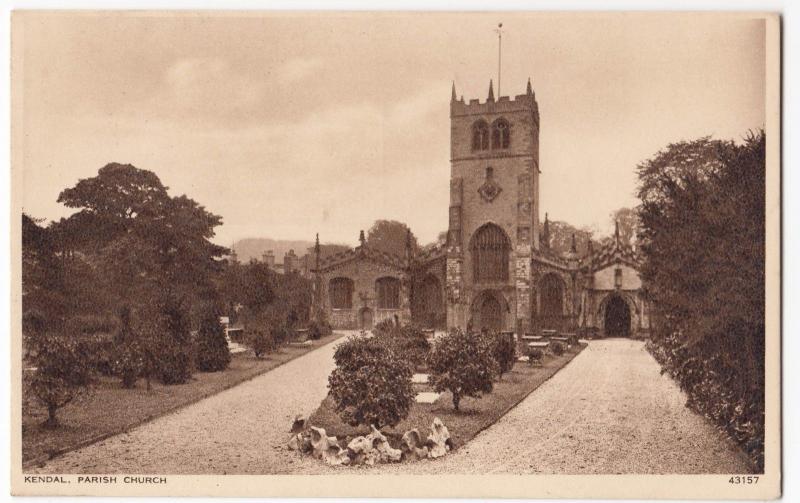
372,448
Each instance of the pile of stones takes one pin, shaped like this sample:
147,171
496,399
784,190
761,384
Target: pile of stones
369,449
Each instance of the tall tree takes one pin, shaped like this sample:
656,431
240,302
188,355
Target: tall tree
390,236
702,238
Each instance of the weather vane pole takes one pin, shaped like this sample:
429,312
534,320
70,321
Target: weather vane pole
499,31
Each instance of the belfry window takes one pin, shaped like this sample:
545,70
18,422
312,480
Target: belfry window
501,134
490,248
480,136
341,293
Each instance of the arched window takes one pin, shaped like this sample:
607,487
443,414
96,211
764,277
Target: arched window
341,293
490,248
480,136
501,134
388,290
552,300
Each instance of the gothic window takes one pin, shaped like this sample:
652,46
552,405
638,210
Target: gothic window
388,290
501,134
490,248
480,136
341,293
552,300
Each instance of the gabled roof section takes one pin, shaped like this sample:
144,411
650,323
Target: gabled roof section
612,252
362,252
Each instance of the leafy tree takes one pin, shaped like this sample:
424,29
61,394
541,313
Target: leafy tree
628,221
371,384
213,354
390,236
63,365
561,237
462,363
702,239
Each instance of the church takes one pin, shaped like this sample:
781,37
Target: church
496,270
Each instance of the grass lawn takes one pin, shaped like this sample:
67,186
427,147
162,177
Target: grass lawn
476,414
108,409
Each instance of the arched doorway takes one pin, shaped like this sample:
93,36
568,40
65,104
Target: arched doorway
617,320
487,313
365,319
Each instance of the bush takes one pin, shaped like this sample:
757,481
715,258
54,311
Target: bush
504,352
557,348
260,340
462,363
535,355
213,354
371,384
63,370
318,329
175,356
409,341
573,341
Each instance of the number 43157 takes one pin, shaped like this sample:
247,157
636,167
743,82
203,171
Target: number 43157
743,479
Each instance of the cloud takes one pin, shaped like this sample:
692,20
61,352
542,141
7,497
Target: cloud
298,69
211,85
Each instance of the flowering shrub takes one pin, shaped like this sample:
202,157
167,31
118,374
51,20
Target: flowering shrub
371,384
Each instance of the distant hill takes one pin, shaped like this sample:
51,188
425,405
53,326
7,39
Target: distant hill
255,247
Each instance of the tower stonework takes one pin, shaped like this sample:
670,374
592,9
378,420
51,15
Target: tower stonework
494,205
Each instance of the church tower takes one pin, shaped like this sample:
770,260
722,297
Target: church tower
493,224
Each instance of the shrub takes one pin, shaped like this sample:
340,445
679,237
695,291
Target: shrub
535,355
504,352
318,329
175,356
573,341
213,354
557,348
384,326
371,384
462,363
260,340
63,370
409,341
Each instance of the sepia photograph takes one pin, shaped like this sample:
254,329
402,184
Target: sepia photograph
532,254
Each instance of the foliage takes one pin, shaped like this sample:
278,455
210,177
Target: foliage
462,363
390,236
702,239
409,341
212,349
561,237
573,341
535,355
371,384
175,360
63,366
260,340
319,328
557,348
504,352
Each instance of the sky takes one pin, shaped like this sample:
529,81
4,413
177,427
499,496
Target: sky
291,124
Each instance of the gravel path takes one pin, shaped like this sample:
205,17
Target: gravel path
608,411
241,430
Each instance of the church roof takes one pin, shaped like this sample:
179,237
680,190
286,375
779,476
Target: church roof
612,252
362,252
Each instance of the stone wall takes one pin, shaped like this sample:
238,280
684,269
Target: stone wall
364,273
